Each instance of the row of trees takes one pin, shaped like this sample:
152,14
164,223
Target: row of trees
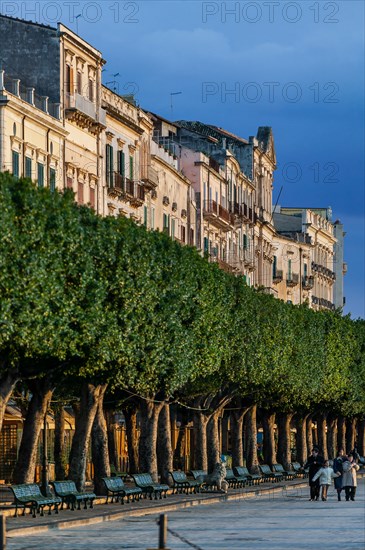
91,306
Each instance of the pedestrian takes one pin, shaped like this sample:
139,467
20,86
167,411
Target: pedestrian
338,467
325,476
314,463
349,481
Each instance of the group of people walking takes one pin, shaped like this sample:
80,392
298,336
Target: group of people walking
321,474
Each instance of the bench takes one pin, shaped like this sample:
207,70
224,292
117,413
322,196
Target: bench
202,477
115,486
148,487
269,474
252,479
287,474
68,493
299,470
235,481
182,484
28,495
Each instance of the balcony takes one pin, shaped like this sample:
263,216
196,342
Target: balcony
328,273
292,279
134,192
225,266
308,282
277,276
218,216
323,303
150,178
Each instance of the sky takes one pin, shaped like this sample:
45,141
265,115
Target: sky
295,66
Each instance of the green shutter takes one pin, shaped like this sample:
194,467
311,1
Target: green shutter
289,270
28,167
15,163
109,165
52,179
274,266
131,168
145,216
40,174
121,163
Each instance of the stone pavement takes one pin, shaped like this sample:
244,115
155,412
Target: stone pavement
267,518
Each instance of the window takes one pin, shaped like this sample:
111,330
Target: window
79,83
183,234
245,242
40,174
173,228
145,216
91,90
69,183
68,79
206,245
28,167
166,224
274,266
305,266
192,237
52,179
15,163
131,168
109,165
289,270
92,197
121,163
80,192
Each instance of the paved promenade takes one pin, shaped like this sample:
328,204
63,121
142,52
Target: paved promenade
271,518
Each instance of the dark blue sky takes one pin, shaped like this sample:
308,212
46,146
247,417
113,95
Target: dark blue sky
295,66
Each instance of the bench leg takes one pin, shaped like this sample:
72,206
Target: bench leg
49,509
56,508
91,503
85,504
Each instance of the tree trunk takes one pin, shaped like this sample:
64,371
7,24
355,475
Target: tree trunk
237,418
309,435
268,423
112,444
99,446
301,439
284,439
251,440
60,458
164,448
130,415
341,433
361,437
41,396
321,434
332,436
350,434
200,421
7,384
179,452
213,440
84,421
150,412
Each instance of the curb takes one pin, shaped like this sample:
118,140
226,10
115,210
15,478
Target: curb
142,511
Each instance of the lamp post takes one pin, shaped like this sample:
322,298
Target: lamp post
45,486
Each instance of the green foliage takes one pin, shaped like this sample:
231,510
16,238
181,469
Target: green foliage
104,300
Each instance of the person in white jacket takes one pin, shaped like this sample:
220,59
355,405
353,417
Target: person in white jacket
349,481
325,475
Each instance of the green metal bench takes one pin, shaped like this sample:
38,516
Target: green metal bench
274,477
69,495
182,484
116,488
149,487
235,481
252,479
287,474
299,470
28,495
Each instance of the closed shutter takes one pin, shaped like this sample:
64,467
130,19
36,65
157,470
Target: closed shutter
28,167
40,174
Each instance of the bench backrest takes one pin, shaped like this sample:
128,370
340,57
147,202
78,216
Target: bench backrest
179,477
113,483
198,473
26,490
265,468
242,471
279,468
143,480
296,466
64,487
229,473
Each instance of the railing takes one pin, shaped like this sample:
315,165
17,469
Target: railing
292,279
82,104
308,282
218,213
150,177
277,276
323,302
318,268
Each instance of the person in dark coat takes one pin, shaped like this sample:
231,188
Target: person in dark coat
314,463
338,467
